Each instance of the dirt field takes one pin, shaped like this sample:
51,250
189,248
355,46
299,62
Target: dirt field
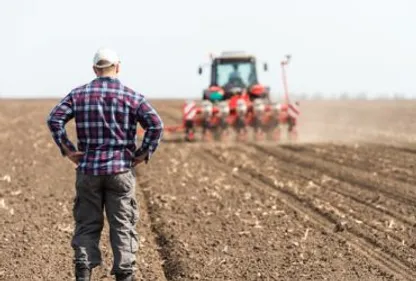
339,205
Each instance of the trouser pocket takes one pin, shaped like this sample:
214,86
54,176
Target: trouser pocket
75,207
134,219
134,211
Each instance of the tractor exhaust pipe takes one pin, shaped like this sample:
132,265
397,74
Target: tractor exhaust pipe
283,63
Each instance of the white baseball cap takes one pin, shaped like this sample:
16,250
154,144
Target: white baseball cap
105,54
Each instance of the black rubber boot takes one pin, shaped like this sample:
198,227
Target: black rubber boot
82,274
125,277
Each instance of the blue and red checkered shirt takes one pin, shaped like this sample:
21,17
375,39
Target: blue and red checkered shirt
106,115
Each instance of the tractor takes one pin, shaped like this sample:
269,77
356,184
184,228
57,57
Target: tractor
235,102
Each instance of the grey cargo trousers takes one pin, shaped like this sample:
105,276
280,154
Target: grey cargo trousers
115,193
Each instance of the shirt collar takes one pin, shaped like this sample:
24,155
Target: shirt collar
107,78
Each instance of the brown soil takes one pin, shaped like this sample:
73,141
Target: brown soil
246,211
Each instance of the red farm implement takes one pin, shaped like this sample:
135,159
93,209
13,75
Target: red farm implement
236,105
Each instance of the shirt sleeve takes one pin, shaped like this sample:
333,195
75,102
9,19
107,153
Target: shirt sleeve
151,122
58,117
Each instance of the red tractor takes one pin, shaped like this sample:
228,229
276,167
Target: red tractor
235,102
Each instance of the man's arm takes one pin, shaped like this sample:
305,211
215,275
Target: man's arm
58,117
151,122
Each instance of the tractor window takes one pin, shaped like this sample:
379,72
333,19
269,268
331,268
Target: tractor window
241,73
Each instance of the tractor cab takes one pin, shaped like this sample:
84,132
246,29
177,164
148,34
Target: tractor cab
234,73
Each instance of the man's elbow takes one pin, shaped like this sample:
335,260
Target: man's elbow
52,123
159,126
161,129
49,121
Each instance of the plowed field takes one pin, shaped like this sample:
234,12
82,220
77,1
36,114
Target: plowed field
338,205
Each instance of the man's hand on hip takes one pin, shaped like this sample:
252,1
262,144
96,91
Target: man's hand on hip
73,156
139,159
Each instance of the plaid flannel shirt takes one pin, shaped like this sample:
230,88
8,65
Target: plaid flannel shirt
106,115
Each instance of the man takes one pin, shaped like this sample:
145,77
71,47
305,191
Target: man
106,115
234,79
235,74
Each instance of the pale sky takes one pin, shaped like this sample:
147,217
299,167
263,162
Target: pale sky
47,46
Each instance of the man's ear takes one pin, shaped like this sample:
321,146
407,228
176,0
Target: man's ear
117,68
95,70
